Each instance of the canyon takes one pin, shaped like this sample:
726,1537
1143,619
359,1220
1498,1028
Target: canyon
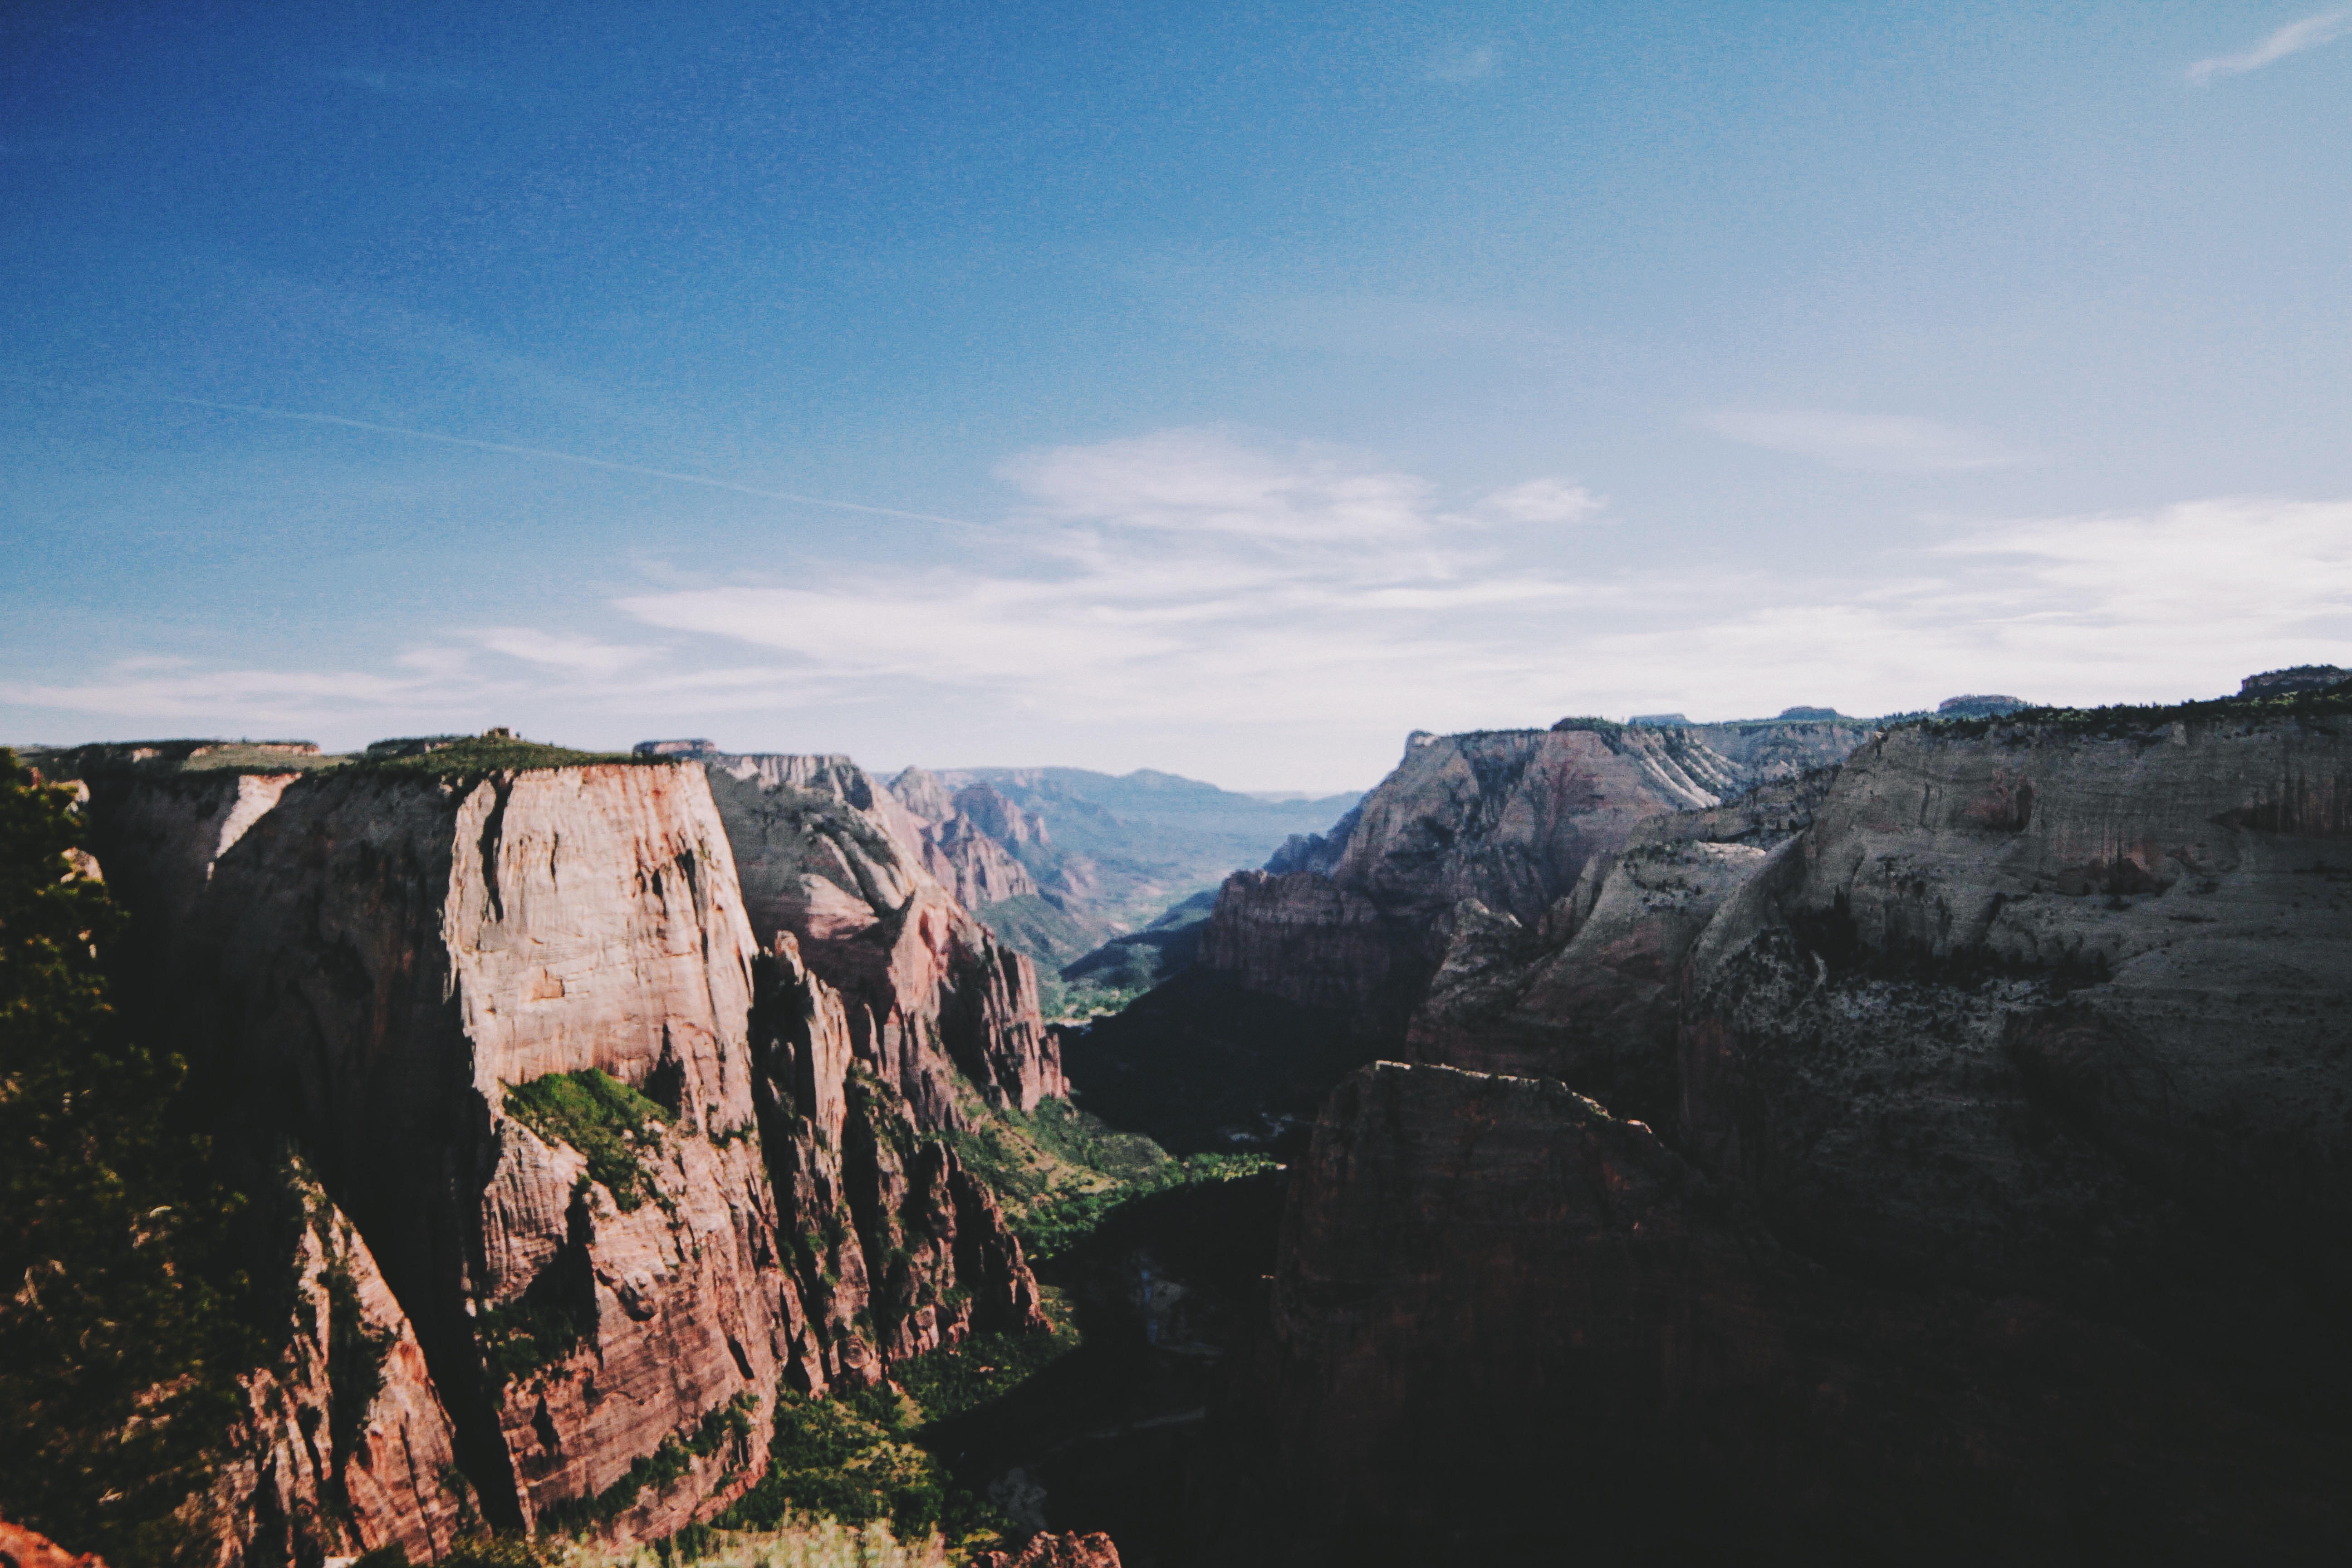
1810,1139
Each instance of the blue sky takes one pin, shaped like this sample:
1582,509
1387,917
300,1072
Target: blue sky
1231,389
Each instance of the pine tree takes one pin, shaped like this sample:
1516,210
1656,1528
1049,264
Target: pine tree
120,1341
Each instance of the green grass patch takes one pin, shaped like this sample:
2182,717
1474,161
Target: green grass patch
854,1460
1060,1172
500,753
603,1118
980,1370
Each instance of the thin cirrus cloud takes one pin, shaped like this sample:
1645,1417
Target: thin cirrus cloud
1547,500
1883,443
1189,570
2146,606
576,655
2294,38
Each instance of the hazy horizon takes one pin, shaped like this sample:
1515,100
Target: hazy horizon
1157,387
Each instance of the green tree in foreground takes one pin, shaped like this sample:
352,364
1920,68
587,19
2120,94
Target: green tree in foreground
118,1344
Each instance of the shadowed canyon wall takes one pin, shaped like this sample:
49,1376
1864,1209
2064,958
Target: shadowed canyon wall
1996,1208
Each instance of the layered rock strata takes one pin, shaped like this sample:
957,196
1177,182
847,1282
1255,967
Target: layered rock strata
373,966
930,991
969,837
1590,993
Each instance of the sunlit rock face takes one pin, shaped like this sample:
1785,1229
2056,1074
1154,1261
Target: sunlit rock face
366,964
930,991
1508,820
377,960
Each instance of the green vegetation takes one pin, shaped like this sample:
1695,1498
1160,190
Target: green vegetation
982,1370
119,1332
1060,1173
2127,721
854,1459
527,1334
498,752
603,1118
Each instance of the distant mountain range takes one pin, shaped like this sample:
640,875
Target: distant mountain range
1059,861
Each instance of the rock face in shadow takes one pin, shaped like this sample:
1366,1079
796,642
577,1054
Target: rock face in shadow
2000,1214
368,964
929,990
1589,993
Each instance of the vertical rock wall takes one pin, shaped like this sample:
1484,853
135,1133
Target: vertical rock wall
1509,820
383,955
366,962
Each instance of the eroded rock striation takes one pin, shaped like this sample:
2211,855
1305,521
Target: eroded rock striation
930,991
596,1166
1508,820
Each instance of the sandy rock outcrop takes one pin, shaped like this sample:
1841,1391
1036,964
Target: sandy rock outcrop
930,991
1590,992
2141,932
22,1548
895,1248
971,836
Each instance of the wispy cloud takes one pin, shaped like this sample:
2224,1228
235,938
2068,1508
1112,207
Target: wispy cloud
1886,443
1463,62
584,656
2140,606
1280,614
1190,571
1547,500
2292,40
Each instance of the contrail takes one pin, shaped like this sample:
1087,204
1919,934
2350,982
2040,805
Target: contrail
708,483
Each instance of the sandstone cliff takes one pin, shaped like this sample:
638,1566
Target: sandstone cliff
619,1167
1508,820
930,990
374,968
969,837
342,1445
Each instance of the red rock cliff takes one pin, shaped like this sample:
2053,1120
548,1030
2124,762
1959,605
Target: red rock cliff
930,991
